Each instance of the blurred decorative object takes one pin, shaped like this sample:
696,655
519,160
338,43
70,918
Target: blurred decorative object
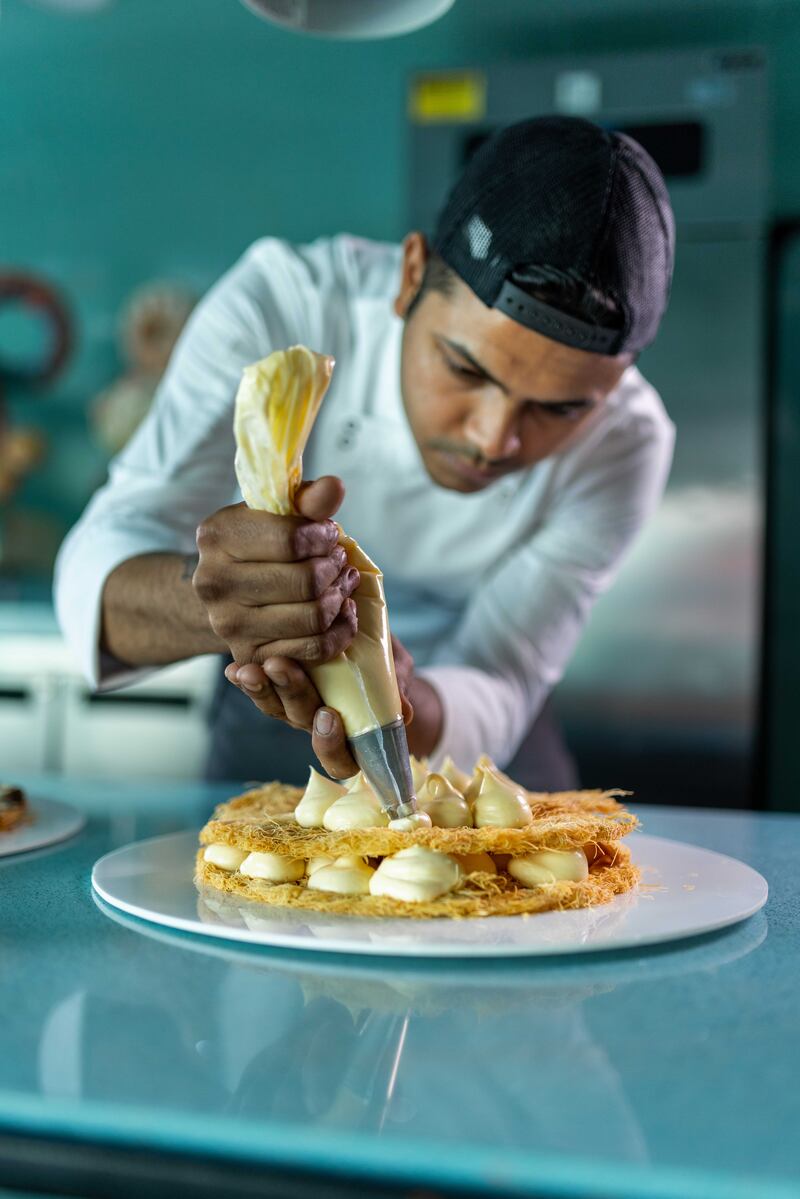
31,314
26,298
150,325
21,450
351,18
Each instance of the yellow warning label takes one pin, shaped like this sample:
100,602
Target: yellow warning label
452,96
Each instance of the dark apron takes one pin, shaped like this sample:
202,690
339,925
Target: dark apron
246,746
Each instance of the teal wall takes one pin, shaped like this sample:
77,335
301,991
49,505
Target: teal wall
157,138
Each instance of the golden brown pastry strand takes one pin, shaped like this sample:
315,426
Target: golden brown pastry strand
478,895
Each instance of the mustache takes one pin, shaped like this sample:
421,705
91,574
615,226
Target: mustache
473,455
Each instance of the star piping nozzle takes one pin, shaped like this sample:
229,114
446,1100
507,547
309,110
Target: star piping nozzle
382,755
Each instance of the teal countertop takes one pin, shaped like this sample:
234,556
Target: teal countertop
666,1073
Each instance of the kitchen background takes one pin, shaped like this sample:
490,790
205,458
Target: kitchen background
144,145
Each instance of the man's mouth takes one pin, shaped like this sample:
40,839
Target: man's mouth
472,469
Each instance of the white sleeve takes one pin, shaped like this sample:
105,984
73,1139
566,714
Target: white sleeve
520,629
178,467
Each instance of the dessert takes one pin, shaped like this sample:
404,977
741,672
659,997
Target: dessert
512,851
13,807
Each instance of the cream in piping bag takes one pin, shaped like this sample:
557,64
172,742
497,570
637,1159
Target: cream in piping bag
276,405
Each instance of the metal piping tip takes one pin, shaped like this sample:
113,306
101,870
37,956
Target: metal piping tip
382,754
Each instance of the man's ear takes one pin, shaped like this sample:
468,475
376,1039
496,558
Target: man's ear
412,271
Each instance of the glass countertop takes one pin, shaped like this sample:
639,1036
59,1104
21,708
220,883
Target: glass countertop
669,1072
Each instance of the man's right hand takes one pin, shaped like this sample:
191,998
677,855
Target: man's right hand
278,586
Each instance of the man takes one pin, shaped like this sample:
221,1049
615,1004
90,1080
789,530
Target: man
486,438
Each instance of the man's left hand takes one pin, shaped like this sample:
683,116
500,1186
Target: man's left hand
281,688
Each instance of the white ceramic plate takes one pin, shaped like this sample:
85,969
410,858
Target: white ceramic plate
685,891
48,821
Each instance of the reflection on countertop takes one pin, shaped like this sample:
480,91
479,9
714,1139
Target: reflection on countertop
618,1065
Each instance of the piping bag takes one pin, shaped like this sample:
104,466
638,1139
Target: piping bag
276,406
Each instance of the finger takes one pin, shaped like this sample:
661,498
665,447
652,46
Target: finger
246,535
260,583
402,658
407,709
320,648
295,690
320,498
329,743
398,649
310,619
252,682
239,624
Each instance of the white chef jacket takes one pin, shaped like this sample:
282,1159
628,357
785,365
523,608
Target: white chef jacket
489,591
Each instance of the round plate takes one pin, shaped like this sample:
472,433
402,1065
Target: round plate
685,891
47,822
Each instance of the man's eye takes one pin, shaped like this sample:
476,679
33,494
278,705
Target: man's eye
463,372
565,411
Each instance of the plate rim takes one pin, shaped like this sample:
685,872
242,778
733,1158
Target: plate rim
55,805
415,949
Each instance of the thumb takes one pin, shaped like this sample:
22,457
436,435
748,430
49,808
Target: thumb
320,498
329,743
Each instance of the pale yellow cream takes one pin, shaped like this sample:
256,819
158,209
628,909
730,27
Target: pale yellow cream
419,772
549,866
346,876
273,867
471,863
224,856
316,862
276,405
415,875
446,807
484,763
499,803
361,683
407,824
454,775
318,796
355,809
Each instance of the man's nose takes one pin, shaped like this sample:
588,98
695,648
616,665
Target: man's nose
492,427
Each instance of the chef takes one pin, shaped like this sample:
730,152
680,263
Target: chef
487,438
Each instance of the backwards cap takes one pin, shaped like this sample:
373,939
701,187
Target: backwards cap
564,193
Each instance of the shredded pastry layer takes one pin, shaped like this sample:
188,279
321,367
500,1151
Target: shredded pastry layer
262,821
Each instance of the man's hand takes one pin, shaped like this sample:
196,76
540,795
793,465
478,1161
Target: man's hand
278,586
404,669
281,688
278,590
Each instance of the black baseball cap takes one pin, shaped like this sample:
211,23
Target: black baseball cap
565,193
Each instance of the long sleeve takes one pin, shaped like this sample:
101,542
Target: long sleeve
178,467
520,629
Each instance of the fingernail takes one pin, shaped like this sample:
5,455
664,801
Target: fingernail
339,556
253,688
353,578
231,672
279,677
323,723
